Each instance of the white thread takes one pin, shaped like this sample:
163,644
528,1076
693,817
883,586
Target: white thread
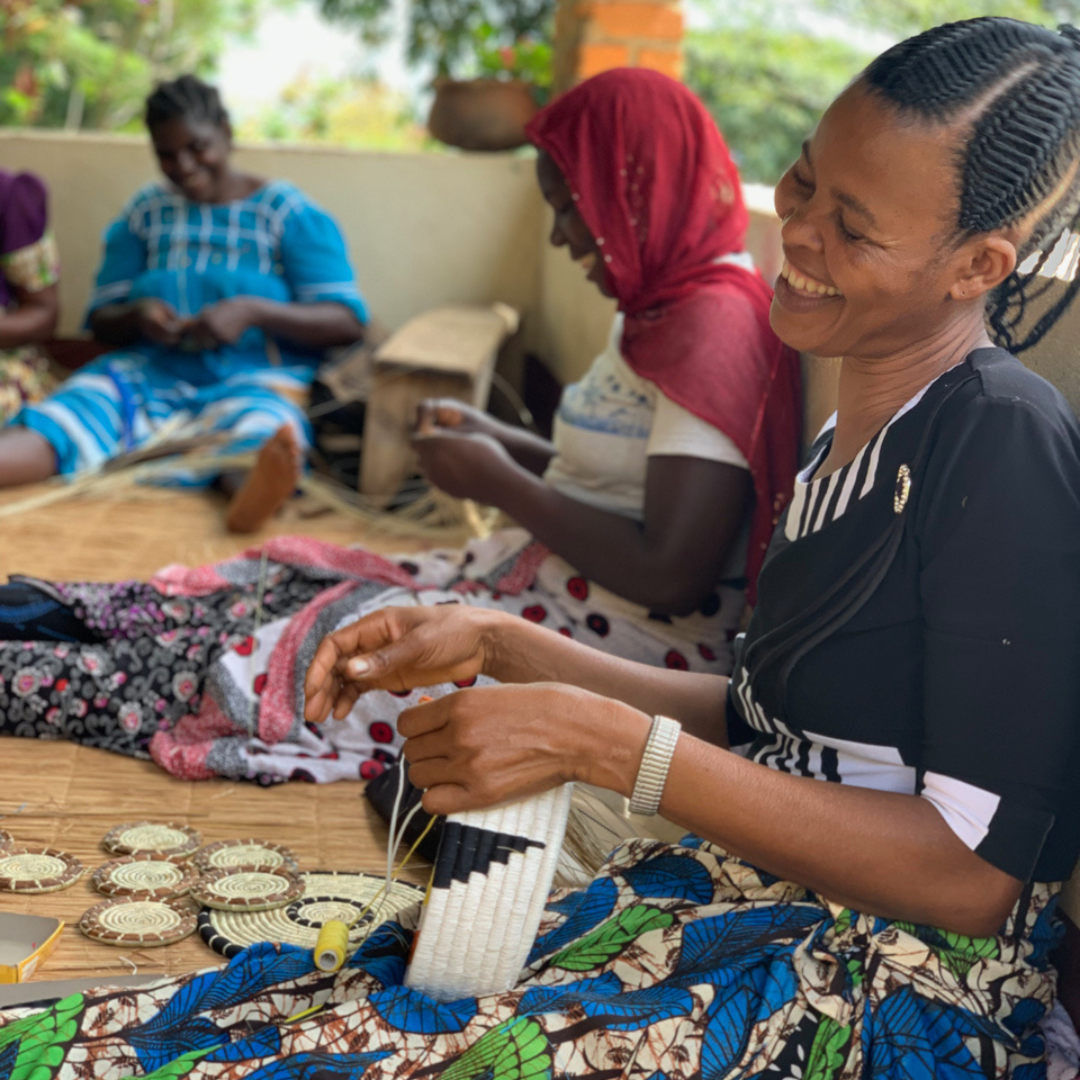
392,851
392,841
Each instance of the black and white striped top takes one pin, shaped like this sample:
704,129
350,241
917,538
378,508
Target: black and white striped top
959,678
817,502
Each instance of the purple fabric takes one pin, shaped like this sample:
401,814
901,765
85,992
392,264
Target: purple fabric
23,217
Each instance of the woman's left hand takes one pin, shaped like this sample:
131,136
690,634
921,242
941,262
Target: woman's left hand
494,744
223,323
467,466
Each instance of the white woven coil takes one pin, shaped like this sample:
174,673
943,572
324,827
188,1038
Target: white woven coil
485,905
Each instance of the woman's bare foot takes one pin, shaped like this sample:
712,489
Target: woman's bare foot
25,457
268,486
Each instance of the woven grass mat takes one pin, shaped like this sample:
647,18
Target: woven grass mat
69,796
133,533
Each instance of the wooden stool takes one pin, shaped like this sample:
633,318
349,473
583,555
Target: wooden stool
448,352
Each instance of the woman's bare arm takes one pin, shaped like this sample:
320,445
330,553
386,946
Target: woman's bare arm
400,648
32,320
886,854
883,853
668,562
319,325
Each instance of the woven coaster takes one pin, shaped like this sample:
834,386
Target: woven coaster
326,896
37,869
144,877
138,837
247,888
126,920
226,854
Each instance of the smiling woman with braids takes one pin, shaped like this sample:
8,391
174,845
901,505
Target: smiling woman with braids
868,887
220,292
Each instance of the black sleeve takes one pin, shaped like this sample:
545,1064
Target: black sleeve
999,541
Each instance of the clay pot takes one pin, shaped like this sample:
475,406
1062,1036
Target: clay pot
481,114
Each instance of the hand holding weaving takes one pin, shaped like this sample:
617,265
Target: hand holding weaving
398,649
464,465
222,323
159,322
490,745
437,415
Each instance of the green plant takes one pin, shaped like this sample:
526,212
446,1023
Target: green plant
766,90
528,59
90,63
766,72
460,37
347,111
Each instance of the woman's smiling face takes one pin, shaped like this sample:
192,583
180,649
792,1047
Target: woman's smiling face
871,259
569,229
194,156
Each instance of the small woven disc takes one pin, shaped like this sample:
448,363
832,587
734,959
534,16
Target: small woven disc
247,888
145,877
326,896
226,854
138,837
126,920
37,869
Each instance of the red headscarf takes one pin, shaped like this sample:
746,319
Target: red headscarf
656,186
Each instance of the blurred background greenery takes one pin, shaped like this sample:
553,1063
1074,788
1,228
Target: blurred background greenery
764,71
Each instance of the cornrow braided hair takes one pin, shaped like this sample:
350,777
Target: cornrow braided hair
186,98
1018,87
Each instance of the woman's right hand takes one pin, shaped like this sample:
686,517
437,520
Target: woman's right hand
159,322
398,649
462,419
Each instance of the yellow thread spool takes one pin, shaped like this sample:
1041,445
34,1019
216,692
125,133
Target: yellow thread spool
332,945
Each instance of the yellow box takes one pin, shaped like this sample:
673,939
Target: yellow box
26,941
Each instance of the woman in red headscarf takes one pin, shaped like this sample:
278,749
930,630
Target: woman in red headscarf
675,453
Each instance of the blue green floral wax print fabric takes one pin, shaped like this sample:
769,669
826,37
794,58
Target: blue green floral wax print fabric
678,962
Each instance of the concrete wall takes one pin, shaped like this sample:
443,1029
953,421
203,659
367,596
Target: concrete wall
423,229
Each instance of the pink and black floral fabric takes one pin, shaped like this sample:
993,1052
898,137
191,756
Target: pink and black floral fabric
202,668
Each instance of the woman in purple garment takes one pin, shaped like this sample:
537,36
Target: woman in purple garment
29,271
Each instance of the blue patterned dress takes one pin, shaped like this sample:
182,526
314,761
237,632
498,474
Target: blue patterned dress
275,244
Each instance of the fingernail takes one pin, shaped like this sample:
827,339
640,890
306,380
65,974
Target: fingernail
359,667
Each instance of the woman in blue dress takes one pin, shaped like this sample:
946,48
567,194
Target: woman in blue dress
219,292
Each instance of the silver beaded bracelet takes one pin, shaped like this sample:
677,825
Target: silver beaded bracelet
651,777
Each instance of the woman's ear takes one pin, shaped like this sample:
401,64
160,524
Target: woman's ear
984,263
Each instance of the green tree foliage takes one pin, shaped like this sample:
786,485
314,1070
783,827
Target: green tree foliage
767,73
349,111
449,35
902,18
766,90
91,63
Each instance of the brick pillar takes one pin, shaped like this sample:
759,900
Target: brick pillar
594,35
